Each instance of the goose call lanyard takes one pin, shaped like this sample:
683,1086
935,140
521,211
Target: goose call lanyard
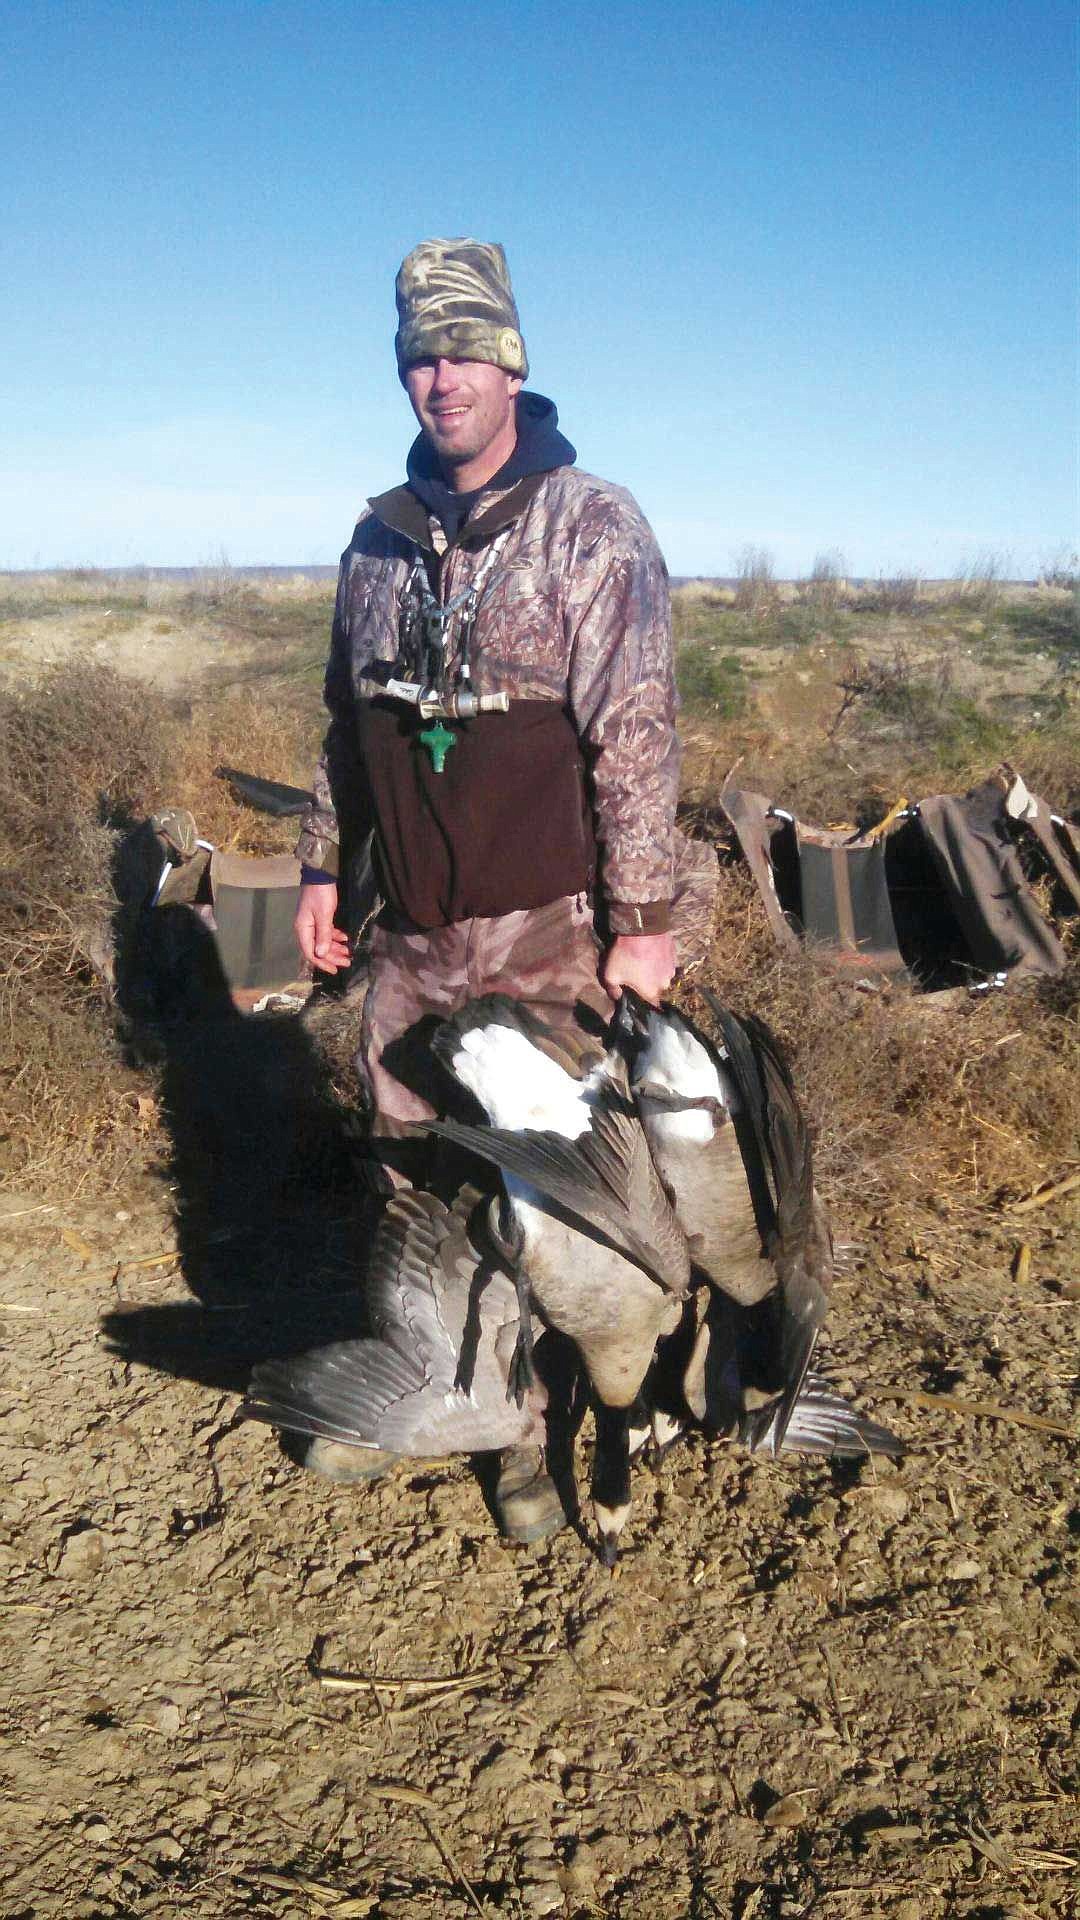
427,654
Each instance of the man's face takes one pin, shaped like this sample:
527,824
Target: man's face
463,406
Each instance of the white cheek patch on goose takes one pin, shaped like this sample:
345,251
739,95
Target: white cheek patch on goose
674,1061
517,1085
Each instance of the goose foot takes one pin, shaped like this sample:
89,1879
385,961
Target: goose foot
521,1377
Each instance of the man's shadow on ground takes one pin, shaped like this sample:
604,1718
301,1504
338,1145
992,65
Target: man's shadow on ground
275,1198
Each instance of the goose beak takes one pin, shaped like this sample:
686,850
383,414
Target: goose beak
610,1522
631,1015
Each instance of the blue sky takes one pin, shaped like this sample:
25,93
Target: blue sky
802,275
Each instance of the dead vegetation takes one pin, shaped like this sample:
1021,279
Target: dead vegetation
85,755
908,1098
965,1101
80,759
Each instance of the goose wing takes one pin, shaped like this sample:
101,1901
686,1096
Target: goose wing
440,1310
777,1154
820,1422
605,1181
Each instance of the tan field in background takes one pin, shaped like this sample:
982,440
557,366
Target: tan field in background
813,1689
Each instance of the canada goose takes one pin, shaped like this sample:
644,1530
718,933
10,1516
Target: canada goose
603,1256
702,1183
589,1221
434,1379
730,1140
728,1134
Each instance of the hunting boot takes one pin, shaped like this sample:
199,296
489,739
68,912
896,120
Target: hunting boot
527,1502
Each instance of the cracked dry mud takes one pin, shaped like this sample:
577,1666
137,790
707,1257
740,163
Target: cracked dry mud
811,1689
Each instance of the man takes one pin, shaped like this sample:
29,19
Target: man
532,849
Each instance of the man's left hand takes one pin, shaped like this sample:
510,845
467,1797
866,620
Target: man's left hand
643,961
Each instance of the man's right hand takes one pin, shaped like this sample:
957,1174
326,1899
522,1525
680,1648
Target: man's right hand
322,944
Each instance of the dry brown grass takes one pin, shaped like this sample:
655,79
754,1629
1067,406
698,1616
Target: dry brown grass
909,1097
86,753
887,745
271,730
217,585
80,753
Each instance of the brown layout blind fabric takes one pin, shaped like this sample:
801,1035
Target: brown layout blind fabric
748,814
940,896
254,908
981,871
1061,846
845,901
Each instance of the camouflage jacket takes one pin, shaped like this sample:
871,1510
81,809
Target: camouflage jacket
573,608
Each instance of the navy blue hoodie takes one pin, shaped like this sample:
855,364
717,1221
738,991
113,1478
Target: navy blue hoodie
540,448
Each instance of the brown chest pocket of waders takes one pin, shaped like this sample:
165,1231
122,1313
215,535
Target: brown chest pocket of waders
505,825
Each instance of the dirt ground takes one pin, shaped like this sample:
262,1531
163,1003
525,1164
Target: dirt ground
229,1688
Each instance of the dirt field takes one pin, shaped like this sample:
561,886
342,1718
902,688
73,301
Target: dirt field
228,1688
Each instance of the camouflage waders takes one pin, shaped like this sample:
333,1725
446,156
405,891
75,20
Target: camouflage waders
547,956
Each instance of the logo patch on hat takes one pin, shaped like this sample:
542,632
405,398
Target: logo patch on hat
510,350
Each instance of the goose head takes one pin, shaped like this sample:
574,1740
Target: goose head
679,1080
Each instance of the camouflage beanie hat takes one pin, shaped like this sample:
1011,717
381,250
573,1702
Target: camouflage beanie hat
455,302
